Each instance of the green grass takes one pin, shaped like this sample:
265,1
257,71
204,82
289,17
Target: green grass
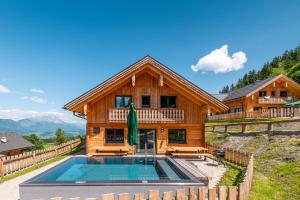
211,122
233,176
276,163
39,165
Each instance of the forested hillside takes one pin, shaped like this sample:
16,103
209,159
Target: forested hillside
288,64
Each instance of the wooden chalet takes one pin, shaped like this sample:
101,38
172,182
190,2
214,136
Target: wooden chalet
266,94
171,110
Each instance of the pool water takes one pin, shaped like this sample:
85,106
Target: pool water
85,169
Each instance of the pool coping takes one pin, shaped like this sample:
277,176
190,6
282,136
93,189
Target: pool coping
193,181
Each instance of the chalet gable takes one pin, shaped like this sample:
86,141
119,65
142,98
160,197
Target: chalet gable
162,73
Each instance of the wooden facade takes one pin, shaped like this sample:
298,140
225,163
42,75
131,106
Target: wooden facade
148,78
275,93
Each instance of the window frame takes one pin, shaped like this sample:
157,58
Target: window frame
123,100
146,106
273,93
262,91
168,102
176,141
114,141
285,92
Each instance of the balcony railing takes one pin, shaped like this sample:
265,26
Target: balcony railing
274,100
148,115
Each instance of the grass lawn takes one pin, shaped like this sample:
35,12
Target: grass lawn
233,176
39,165
276,163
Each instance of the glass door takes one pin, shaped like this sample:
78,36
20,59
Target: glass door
146,141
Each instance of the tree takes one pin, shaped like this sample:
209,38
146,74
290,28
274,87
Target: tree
35,140
60,136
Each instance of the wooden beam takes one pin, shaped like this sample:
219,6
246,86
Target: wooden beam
133,80
161,80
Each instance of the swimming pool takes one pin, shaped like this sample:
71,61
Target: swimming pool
107,175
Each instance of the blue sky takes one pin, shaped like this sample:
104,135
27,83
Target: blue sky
63,48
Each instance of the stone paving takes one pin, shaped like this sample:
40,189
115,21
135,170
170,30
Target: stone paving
211,169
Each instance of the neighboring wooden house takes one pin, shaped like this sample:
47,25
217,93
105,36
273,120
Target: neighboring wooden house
171,110
13,144
265,94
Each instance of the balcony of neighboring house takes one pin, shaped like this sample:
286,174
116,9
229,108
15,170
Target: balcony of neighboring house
274,100
148,115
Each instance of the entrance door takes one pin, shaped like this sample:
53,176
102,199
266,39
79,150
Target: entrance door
146,141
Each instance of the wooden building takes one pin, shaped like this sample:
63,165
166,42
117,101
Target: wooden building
12,144
171,110
265,94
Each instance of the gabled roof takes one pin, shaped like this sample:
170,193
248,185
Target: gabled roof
250,89
85,98
220,97
14,142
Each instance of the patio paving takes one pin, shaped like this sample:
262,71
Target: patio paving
211,169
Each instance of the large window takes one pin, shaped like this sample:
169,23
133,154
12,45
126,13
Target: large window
122,101
168,101
273,93
177,136
114,136
283,94
262,93
146,101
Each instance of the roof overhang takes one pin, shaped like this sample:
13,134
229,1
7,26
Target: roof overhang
78,103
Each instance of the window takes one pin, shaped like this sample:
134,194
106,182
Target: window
122,101
262,93
177,136
273,93
238,109
283,94
168,101
96,130
257,108
146,101
114,136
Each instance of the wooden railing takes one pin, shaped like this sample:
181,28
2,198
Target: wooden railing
243,125
11,164
274,100
264,113
148,115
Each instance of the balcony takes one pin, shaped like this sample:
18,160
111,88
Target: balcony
274,100
148,115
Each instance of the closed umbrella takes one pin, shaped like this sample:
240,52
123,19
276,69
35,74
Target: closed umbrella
132,124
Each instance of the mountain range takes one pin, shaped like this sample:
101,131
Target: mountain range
43,126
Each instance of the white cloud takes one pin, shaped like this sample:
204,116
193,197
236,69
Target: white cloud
35,90
18,114
219,61
34,99
4,89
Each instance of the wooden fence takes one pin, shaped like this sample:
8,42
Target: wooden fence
11,164
244,125
264,113
240,192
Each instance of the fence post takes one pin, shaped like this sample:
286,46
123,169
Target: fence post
243,128
1,169
124,196
153,194
222,193
201,193
110,196
270,126
212,194
168,196
232,193
33,157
